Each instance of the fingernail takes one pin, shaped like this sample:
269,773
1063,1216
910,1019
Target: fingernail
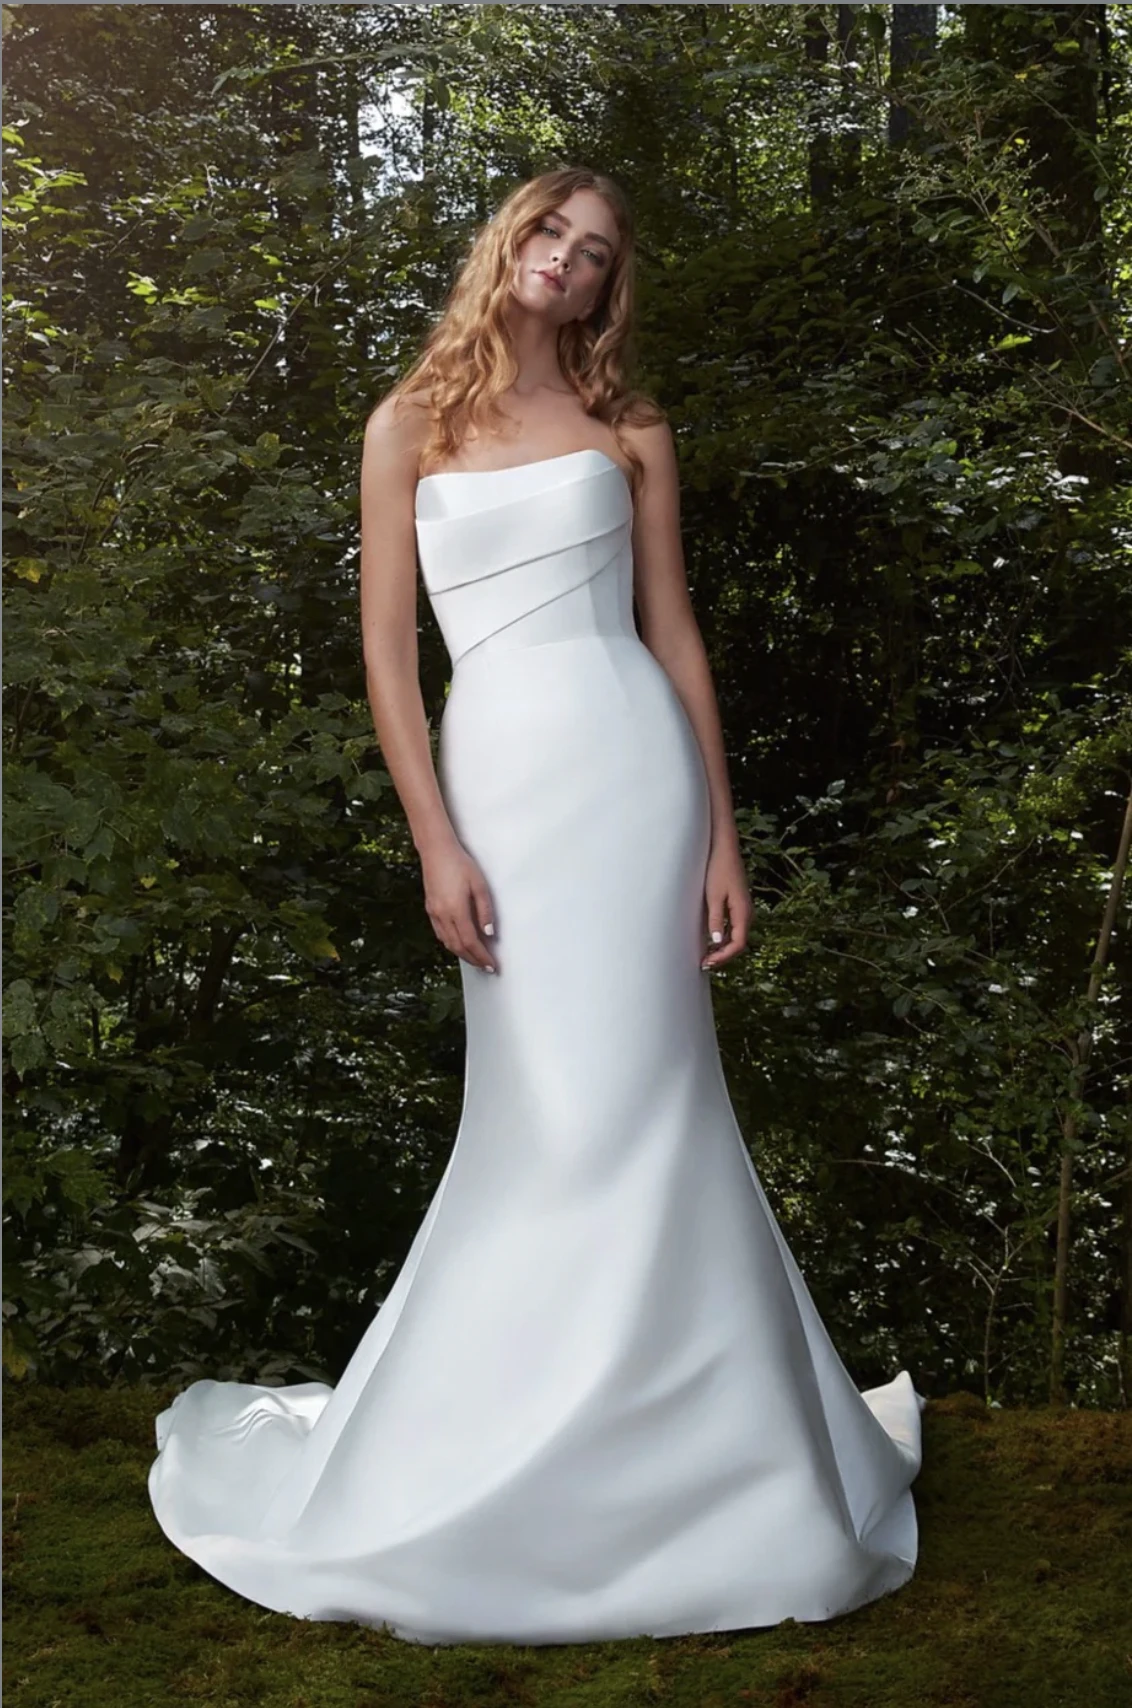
489,969
717,936
489,930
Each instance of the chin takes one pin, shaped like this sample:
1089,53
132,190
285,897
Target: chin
538,300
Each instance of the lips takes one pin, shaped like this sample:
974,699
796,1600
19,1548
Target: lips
550,278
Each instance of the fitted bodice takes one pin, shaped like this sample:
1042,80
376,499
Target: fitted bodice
526,555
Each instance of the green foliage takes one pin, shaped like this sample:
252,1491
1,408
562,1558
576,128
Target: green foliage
233,1046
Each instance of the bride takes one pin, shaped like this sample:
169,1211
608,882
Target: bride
598,1400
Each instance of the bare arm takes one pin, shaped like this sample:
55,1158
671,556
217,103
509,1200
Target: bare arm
671,633
389,626
456,894
668,623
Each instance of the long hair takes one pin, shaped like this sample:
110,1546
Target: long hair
468,360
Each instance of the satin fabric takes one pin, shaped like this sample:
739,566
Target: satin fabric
598,1400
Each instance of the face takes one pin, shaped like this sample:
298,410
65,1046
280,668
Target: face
565,262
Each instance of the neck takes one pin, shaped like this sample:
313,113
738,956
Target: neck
535,344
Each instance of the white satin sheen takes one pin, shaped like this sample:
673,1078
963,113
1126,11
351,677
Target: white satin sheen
598,1400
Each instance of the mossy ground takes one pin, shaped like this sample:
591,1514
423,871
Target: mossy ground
1022,1594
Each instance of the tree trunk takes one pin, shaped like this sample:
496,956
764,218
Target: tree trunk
848,43
912,41
821,152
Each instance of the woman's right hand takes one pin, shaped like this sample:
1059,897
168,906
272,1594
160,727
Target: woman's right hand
458,903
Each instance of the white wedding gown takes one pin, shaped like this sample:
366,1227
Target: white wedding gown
598,1400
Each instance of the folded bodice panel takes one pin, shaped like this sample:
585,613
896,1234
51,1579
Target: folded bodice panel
527,555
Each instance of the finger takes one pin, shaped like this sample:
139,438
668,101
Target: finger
719,957
472,950
483,911
452,942
454,934
471,944
468,949
738,937
440,930
726,952
741,918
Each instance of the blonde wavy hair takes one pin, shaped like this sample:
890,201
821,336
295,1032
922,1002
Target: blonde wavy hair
467,360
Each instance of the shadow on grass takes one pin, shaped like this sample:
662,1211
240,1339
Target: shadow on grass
1021,1594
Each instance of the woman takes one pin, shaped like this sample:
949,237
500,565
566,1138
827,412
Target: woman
598,1400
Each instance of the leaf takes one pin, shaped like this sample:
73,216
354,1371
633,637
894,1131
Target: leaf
28,1052
15,1360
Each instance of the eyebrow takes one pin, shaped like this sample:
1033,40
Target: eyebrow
595,236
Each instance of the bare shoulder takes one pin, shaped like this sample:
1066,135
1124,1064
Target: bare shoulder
395,432
653,443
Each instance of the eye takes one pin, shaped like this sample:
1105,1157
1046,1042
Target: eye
598,260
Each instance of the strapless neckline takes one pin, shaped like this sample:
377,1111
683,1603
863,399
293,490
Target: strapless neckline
535,462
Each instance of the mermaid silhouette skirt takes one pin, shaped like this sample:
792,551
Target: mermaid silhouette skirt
598,1400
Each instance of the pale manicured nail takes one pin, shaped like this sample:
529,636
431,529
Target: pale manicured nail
717,936
489,969
489,930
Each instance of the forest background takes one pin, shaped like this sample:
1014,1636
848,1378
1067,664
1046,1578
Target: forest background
884,268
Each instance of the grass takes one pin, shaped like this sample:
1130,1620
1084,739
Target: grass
1022,1595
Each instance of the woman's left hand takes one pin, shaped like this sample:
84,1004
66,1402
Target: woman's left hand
727,902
